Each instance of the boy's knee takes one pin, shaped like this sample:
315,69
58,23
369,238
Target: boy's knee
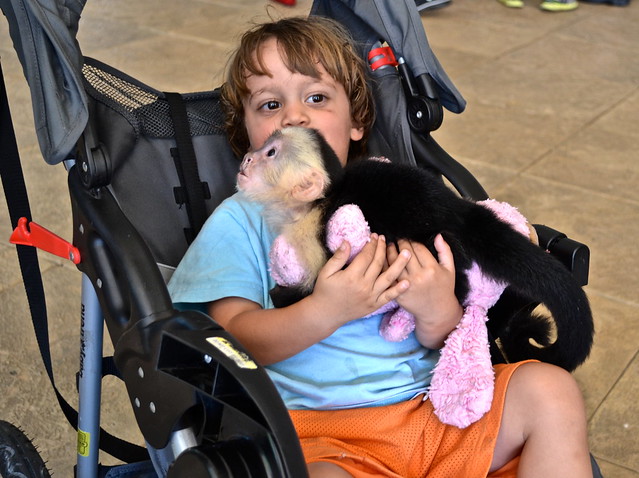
322,469
547,389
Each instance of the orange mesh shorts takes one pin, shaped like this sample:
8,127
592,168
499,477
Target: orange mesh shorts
405,440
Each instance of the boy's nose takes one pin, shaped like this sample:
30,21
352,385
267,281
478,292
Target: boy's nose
295,115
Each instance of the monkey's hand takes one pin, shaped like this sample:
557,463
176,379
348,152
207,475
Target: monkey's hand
284,296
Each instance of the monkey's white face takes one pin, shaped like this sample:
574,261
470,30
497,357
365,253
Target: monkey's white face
266,171
286,99
287,171
252,177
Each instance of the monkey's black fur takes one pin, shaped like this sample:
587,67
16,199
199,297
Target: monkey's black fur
408,202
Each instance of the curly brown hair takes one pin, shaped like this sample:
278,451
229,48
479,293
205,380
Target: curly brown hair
305,42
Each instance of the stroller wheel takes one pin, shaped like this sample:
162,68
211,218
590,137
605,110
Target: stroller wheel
18,456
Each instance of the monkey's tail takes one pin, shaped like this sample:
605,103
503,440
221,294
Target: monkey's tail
570,321
564,337
526,328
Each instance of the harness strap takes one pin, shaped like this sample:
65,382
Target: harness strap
192,192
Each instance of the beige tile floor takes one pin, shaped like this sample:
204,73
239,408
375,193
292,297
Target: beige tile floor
551,126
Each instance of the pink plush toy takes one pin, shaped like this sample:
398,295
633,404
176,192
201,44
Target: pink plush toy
462,385
348,224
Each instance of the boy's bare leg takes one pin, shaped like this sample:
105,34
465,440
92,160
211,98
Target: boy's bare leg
323,469
544,419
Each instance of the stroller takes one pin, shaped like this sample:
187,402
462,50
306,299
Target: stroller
204,407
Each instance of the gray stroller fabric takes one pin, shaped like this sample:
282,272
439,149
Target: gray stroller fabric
399,24
44,31
44,36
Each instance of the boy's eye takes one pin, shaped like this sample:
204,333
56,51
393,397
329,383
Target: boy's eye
270,105
318,98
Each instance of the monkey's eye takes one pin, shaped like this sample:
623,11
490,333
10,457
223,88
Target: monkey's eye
271,152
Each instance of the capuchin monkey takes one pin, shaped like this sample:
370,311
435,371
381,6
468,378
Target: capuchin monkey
301,183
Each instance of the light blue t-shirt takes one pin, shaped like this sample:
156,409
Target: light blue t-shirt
354,367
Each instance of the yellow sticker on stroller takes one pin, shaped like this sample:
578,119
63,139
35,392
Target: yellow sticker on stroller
84,443
240,358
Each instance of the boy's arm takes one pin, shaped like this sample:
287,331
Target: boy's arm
340,295
271,335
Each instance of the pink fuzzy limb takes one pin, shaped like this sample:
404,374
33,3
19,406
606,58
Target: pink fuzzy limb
397,324
286,268
347,224
508,214
461,389
462,386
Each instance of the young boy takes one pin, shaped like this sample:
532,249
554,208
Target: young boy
358,402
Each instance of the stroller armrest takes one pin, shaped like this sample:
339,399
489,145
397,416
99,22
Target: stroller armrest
574,255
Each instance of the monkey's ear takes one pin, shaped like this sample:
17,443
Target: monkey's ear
310,188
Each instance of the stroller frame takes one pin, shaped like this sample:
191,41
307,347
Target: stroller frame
200,401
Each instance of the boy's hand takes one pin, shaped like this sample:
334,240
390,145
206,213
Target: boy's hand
431,296
363,286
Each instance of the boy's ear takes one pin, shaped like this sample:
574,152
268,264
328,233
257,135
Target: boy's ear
310,188
357,133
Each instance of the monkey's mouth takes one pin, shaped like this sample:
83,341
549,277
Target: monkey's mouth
241,179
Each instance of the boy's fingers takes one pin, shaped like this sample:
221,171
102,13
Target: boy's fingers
371,257
338,260
379,258
391,276
394,250
393,292
422,256
444,252
391,252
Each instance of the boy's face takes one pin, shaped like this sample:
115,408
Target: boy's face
291,99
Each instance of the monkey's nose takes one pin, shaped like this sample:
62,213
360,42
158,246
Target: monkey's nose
245,162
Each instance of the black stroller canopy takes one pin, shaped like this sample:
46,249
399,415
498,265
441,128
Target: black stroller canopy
44,36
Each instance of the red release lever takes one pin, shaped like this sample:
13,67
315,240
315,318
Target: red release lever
32,234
